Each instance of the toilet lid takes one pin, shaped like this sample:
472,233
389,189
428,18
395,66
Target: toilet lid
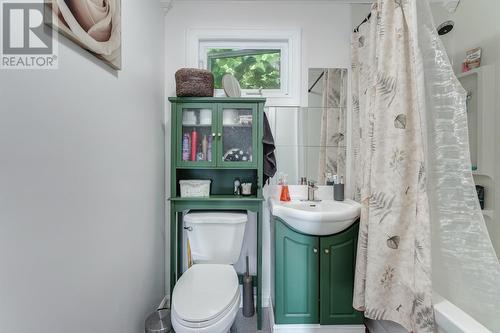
204,291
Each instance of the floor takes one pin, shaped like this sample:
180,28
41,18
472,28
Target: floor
249,325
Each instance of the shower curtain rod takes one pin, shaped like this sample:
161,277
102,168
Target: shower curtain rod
363,22
316,82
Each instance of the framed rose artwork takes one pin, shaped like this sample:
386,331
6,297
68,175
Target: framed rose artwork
95,25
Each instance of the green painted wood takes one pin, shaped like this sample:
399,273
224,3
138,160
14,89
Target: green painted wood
296,277
255,128
183,205
173,250
221,201
337,267
173,151
220,198
217,100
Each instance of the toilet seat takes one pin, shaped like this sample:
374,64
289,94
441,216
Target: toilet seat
205,295
211,322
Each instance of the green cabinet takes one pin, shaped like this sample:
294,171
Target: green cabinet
314,277
296,273
216,139
337,265
221,134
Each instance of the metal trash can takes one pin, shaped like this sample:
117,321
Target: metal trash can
159,322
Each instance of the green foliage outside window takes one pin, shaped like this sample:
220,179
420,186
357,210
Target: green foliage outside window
254,69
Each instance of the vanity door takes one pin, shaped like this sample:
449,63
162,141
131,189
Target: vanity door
296,276
196,135
237,135
337,267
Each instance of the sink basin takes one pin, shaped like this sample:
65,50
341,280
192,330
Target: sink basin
321,218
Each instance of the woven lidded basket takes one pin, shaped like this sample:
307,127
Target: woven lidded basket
193,82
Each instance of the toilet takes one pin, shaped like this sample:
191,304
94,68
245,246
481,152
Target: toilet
206,298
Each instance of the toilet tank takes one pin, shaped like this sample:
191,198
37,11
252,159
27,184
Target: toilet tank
215,237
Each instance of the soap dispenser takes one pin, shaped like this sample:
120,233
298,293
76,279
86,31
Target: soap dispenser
285,192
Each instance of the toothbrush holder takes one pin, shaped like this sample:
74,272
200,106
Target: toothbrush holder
338,192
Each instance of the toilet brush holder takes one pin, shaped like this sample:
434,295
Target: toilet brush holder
248,306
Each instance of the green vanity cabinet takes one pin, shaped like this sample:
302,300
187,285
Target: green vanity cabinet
337,265
296,274
314,277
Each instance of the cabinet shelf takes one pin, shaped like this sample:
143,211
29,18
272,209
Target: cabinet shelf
220,197
197,125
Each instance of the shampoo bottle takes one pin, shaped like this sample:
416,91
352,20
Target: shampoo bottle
194,139
285,192
209,149
204,147
186,147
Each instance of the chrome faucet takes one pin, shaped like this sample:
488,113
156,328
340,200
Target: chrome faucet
311,188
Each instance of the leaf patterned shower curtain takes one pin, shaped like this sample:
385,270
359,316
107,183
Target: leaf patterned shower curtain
393,269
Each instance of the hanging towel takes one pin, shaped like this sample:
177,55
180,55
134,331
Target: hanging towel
270,166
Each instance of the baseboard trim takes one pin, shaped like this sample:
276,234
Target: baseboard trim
311,328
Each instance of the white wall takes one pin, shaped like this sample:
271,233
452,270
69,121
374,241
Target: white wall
326,30
81,187
476,25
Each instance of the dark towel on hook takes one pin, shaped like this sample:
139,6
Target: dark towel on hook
270,166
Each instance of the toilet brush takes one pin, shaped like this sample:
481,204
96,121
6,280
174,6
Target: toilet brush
248,307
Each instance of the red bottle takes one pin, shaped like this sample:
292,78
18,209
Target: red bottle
285,192
194,139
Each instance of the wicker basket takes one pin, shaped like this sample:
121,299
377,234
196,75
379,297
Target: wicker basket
194,188
193,82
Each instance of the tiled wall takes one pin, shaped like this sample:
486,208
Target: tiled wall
297,135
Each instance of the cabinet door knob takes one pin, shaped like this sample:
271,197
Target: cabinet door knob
219,134
213,135
315,250
327,251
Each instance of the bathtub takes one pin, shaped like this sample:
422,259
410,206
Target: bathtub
449,319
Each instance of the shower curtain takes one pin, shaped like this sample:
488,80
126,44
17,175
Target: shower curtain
393,280
412,175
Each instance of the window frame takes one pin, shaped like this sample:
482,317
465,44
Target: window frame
287,40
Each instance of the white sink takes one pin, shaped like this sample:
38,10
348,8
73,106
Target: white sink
321,218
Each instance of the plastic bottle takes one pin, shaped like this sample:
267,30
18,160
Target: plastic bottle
285,192
194,138
209,149
186,147
204,147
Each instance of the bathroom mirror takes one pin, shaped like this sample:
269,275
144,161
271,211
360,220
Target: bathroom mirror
311,141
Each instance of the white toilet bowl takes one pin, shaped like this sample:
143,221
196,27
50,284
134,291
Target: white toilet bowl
206,299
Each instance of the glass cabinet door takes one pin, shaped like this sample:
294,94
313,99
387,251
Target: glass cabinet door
238,135
196,135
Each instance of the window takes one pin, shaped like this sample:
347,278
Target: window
264,61
260,67
254,69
